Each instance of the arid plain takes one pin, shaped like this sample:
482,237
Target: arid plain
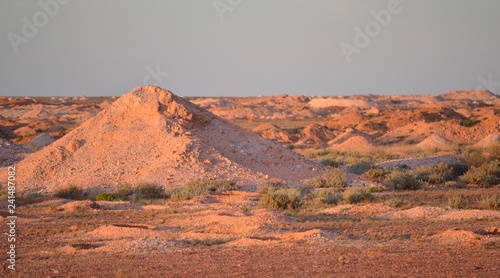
154,184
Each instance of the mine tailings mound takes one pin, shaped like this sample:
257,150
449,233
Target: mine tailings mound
151,135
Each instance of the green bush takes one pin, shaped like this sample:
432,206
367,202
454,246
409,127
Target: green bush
105,197
356,195
438,174
334,178
491,202
285,198
150,190
402,180
485,176
373,189
327,197
376,174
360,167
469,122
71,192
458,201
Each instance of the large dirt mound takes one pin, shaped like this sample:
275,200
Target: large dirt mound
154,136
469,94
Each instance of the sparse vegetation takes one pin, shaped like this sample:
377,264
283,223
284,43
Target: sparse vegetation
457,201
438,174
219,185
455,184
71,192
330,162
394,202
124,190
402,180
327,197
485,175
376,174
490,202
360,167
285,198
150,190
334,178
469,122
105,197
356,195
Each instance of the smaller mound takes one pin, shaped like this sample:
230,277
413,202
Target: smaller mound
354,143
272,132
315,133
79,206
39,142
488,141
435,142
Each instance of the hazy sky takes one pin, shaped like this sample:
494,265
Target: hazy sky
248,47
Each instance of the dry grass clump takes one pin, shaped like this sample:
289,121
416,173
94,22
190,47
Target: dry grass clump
394,202
485,175
330,162
327,197
71,192
201,187
457,201
402,180
284,198
455,184
376,174
490,202
356,195
334,178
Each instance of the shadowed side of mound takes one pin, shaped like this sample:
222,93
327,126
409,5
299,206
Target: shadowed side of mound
151,135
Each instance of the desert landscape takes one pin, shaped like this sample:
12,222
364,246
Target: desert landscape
155,184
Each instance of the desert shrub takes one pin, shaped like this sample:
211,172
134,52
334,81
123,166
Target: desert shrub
356,195
275,183
219,185
373,189
285,198
495,151
150,190
455,184
394,202
32,195
376,174
183,193
330,162
469,122
360,167
486,175
327,197
105,197
402,180
491,202
458,169
477,159
71,192
437,174
334,178
123,190
457,201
